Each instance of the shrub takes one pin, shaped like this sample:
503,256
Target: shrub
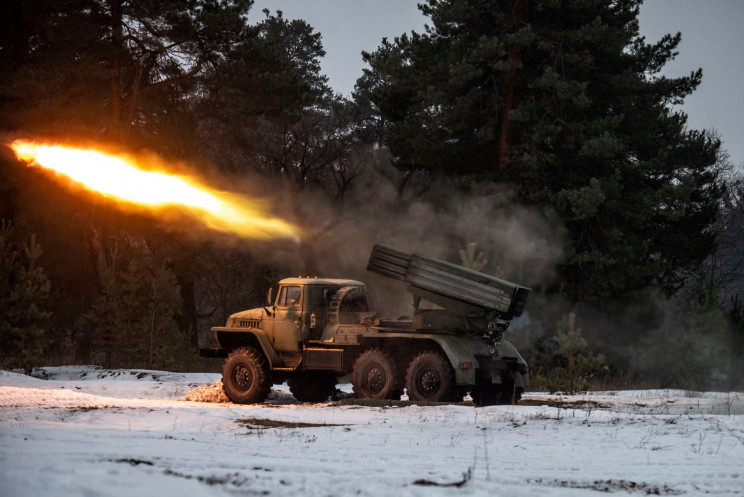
565,363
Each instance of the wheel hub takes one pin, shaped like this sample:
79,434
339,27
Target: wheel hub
375,379
243,377
430,381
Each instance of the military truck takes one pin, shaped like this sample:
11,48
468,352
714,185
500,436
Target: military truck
316,330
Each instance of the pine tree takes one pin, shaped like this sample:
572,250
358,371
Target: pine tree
471,258
274,104
562,99
115,74
24,290
565,363
134,323
113,70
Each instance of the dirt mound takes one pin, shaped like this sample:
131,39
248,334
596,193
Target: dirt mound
208,393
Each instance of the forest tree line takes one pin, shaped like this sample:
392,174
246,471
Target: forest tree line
552,118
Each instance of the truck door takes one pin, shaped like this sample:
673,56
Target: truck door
288,318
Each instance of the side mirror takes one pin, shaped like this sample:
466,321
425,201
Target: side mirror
268,297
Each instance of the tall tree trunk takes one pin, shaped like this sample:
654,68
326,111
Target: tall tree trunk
187,323
117,41
515,56
96,239
12,24
135,95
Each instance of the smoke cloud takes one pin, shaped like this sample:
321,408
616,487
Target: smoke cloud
436,218
657,339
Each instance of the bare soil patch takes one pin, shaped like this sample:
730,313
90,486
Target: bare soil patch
263,423
565,403
612,486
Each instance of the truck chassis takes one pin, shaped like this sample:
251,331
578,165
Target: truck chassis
317,330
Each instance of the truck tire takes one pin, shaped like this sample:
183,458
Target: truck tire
496,395
374,375
430,377
246,378
313,386
507,394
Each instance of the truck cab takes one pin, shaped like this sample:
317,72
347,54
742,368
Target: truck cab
304,310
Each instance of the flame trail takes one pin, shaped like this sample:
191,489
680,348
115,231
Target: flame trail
122,178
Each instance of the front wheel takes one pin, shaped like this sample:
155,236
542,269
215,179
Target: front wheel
431,378
246,377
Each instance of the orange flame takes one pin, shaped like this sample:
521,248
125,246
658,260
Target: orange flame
122,178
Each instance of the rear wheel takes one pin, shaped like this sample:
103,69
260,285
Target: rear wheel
246,377
431,378
313,386
375,375
508,394
495,394
485,395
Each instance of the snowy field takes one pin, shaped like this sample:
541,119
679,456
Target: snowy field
86,431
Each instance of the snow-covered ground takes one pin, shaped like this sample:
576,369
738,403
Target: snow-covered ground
86,431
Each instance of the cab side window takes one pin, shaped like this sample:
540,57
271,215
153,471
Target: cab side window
289,296
328,294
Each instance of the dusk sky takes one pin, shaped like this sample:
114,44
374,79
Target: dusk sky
712,38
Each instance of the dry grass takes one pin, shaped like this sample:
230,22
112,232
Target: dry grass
208,393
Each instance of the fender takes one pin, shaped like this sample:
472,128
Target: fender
506,349
460,351
231,338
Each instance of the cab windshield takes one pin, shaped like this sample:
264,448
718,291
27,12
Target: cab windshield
289,296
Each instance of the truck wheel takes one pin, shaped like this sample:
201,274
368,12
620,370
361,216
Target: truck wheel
246,378
491,395
430,377
507,393
486,395
374,375
313,386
